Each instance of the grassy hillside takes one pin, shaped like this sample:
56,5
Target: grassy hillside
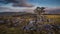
5,29
54,18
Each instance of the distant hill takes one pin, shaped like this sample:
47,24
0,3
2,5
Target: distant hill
14,13
53,11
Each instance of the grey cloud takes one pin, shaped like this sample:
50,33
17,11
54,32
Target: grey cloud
17,3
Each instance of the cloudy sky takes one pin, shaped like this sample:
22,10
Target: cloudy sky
46,3
16,5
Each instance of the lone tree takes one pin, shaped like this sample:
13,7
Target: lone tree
38,11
